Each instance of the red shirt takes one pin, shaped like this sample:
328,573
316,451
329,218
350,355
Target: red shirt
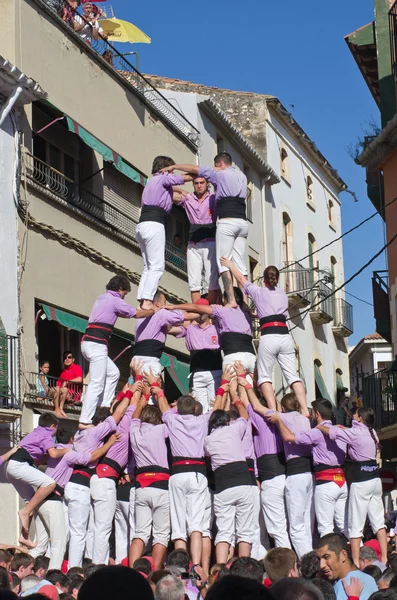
69,373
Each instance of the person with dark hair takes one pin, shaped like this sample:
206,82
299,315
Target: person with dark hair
386,578
151,335
374,571
104,374
202,268
295,589
15,583
68,385
148,437
25,477
41,565
5,558
230,185
365,495
74,586
150,232
275,343
234,326
234,587
325,587
77,490
309,565
108,472
4,579
280,563
337,566
233,501
299,482
142,565
247,567
330,492
388,594
22,565
156,576
91,569
57,578
120,583
202,341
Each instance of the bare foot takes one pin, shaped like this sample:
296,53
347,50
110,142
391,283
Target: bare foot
64,415
146,304
58,414
25,521
27,542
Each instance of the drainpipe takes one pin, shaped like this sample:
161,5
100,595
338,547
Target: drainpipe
9,104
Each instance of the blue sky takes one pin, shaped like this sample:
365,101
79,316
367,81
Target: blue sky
295,51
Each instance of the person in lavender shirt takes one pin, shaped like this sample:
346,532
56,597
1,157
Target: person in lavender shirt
104,374
230,186
365,495
150,232
275,344
202,268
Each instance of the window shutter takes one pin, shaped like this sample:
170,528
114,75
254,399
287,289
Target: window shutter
56,134
121,192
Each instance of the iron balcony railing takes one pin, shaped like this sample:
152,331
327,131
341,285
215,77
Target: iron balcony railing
10,396
296,278
43,396
120,222
380,393
321,293
393,36
343,314
124,68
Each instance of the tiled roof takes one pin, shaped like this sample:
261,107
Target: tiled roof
374,336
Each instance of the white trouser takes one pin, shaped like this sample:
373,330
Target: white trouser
104,376
188,496
275,346
233,509
330,502
208,514
258,551
149,362
103,494
231,240
25,478
299,500
50,526
202,268
151,239
78,499
204,385
247,358
273,509
89,540
365,499
152,512
124,525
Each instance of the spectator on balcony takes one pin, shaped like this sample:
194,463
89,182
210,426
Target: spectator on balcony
108,56
67,386
42,384
88,26
179,245
68,11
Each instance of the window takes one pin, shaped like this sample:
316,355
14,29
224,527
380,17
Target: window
312,264
286,247
331,214
309,190
319,383
284,164
247,173
253,269
334,276
220,144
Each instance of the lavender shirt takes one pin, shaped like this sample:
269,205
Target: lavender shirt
295,423
158,190
248,442
148,444
325,451
186,433
108,307
361,446
119,451
92,438
62,471
225,444
267,438
200,213
155,327
200,338
232,320
38,442
230,182
268,302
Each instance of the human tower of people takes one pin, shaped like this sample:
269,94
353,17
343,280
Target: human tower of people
223,465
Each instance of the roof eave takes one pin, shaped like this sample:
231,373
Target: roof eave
380,147
11,77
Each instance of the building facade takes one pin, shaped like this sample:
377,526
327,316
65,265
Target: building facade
370,355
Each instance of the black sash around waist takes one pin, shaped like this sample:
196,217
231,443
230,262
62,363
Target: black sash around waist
300,464
22,455
251,469
364,470
152,348
280,329
152,213
114,465
82,475
197,233
231,475
99,333
151,472
57,494
270,466
205,360
123,491
231,207
236,342
188,464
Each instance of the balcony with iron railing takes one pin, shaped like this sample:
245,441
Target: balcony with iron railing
322,310
62,189
393,36
40,398
343,317
127,72
10,397
297,284
379,391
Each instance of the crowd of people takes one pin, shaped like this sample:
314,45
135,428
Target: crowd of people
222,492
